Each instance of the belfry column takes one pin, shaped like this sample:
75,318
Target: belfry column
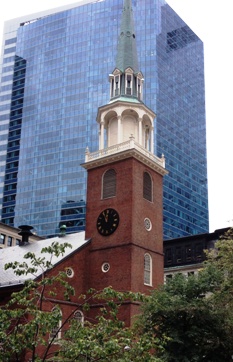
152,140
119,129
101,146
140,130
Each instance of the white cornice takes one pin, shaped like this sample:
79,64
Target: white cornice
123,151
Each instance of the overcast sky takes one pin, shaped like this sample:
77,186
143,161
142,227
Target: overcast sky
212,21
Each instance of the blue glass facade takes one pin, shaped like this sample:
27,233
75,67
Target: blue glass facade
73,216
13,144
68,56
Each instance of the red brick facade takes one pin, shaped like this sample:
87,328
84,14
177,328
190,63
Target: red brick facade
124,250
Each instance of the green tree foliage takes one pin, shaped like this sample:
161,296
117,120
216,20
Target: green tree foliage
220,260
186,320
192,316
25,325
107,339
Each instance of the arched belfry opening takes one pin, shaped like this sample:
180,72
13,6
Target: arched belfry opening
123,121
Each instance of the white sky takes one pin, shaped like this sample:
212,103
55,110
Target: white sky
211,20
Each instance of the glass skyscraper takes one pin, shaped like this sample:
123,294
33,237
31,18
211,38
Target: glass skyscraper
55,68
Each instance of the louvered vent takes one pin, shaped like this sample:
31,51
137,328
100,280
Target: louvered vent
109,184
147,186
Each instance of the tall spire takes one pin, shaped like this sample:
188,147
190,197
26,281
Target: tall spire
127,49
126,79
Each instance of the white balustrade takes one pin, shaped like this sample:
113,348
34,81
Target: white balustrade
127,145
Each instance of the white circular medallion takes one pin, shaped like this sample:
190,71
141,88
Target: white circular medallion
105,267
147,224
69,272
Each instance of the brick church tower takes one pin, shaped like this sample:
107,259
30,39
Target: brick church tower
124,216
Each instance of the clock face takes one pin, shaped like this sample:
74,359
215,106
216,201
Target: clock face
107,222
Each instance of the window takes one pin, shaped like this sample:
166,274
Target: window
179,38
2,239
79,317
147,186
117,85
10,50
9,241
10,41
147,269
139,89
168,277
199,252
188,252
109,184
128,85
55,333
191,273
168,256
178,255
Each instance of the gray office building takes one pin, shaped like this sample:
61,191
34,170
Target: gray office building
55,67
